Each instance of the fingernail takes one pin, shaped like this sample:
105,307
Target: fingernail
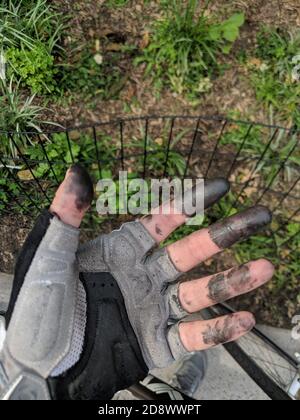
240,226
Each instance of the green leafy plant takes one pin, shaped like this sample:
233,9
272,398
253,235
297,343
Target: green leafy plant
8,188
35,68
18,118
61,152
27,22
30,35
278,47
185,47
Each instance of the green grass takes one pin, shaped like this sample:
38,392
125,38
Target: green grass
18,115
116,3
85,76
272,77
26,23
283,145
186,47
157,152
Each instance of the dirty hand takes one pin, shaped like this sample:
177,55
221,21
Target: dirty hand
117,309
157,304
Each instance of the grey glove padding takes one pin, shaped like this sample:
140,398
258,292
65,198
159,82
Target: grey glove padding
41,329
50,288
143,275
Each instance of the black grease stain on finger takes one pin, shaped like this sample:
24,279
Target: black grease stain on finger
239,279
227,329
81,185
158,230
218,290
221,332
240,226
222,287
214,190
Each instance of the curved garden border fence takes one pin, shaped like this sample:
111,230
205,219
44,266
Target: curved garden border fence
261,161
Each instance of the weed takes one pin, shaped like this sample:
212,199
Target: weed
61,151
30,39
156,161
17,117
89,77
254,143
7,189
272,77
26,23
185,47
116,3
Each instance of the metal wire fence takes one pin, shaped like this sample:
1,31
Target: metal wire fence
261,161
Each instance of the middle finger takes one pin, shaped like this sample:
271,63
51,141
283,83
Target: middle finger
199,246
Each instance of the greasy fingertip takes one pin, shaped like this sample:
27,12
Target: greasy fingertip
82,186
214,190
228,328
202,335
263,213
240,226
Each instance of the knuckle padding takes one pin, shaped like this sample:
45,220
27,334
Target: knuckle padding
41,327
35,341
25,259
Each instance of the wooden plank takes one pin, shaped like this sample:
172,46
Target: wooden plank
5,290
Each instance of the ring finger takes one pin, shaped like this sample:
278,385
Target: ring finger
195,295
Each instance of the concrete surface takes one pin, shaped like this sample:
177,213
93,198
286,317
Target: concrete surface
224,380
283,338
5,290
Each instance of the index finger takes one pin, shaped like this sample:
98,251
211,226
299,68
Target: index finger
160,225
